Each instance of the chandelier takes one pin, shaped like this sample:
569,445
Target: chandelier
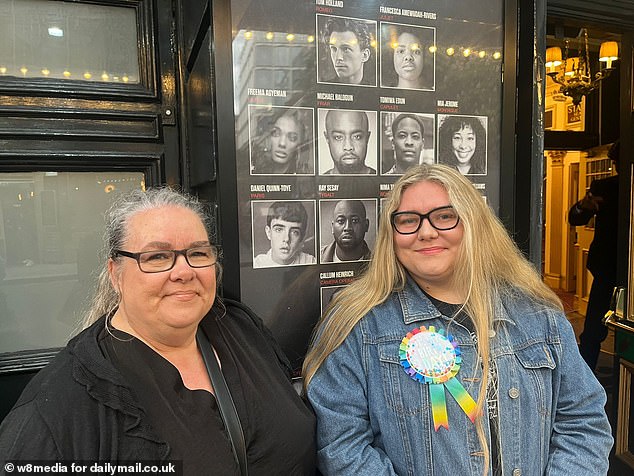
575,78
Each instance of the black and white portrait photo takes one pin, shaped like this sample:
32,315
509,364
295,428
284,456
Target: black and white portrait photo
462,143
347,229
408,56
281,140
283,233
407,139
347,142
346,53
327,294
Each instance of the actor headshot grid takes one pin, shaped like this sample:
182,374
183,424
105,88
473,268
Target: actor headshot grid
347,229
281,140
346,53
462,143
347,142
407,139
408,57
283,233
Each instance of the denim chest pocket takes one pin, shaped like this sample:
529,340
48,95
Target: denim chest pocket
536,356
402,394
533,379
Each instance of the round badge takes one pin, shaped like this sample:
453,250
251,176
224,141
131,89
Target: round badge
430,356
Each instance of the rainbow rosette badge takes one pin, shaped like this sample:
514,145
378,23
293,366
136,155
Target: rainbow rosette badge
433,358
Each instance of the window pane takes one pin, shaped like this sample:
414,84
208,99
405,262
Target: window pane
68,40
51,227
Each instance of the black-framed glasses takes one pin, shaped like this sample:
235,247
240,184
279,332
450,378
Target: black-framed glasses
164,260
441,218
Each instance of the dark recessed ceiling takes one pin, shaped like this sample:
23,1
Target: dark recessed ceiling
611,15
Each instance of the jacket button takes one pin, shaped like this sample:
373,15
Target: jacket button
514,393
517,472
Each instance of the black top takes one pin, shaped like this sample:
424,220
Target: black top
453,311
602,252
190,421
88,406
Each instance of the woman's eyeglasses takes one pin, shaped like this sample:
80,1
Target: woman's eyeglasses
164,260
441,218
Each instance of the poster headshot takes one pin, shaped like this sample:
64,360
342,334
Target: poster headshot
408,56
283,233
281,140
347,229
407,139
346,53
462,143
327,294
347,142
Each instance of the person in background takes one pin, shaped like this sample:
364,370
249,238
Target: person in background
286,224
133,385
348,42
349,226
600,201
408,139
285,150
462,144
449,355
347,134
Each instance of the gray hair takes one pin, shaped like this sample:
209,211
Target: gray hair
117,217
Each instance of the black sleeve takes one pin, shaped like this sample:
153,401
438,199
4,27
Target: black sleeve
577,216
268,336
24,435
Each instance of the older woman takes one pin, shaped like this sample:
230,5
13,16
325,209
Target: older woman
135,385
462,144
450,356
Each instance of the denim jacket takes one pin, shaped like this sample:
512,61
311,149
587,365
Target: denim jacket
373,419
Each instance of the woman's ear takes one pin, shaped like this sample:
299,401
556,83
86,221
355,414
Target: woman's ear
112,274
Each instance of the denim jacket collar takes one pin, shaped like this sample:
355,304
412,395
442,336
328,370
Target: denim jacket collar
415,305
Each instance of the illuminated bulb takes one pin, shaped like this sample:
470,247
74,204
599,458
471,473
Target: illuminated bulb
497,55
310,39
450,51
125,79
3,70
432,49
482,54
66,73
45,72
290,37
87,75
466,52
104,76
269,35
248,35
56,31
115,78
24,70
373,43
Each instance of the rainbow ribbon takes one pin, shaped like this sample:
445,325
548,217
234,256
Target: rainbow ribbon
431,357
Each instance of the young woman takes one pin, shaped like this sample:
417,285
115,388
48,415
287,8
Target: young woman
462,144
286,146
450,356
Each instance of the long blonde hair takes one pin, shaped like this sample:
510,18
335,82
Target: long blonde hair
489,266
